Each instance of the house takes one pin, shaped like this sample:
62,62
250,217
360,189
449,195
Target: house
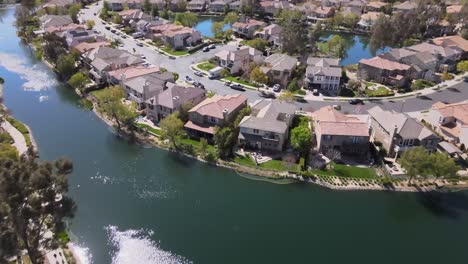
55,256
334,3
144,26
405,6
348,134
324,12
85,46
239,60
272,34
133,15
246,27
454,42
116,76
176,36
105,59
74,37
448,56
306,8
140,89
54,21
219,5
59,3
424,63
272,7
119,5
279,68
196,5
385,71
368,19
450,120
171,99
267,127
375,6
323,74
358,4
60,29
235,5
212,112
398,132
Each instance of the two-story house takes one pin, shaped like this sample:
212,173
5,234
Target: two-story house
398,132
385,71
54,21
348,134
279,68
323,74
272,34
213,112
450,120
239,60
267,127
368,19
447,56
119,5
219,5
196,5
246,27
176,36
171,99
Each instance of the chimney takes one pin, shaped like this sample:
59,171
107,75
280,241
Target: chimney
123,80
145,89
225,114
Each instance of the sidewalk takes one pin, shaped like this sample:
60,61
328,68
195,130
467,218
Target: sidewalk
423,92
20,142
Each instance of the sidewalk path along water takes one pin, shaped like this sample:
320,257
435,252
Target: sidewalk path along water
20,141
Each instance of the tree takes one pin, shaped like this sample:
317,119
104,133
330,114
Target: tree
104,11
258,76
301,139
258,43
73,12
154,11
415,162
203,147
110,103
225,138
146,6
242,113
78,80
181,5
217,29
316,32
442,165
337,46
90,24
165,14
184,111
249,7
66,66
350,20
54,47
116,19
462,66
172,129
231,18
294,35
187,19
286,96
380,34
33,200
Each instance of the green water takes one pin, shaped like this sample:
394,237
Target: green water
140,205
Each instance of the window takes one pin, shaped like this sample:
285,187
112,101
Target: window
355,139
255,131
213,119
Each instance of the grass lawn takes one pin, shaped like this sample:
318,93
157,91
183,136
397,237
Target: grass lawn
206,66
150,129
342,170
241,81
196,144
174,52
272,165
379,92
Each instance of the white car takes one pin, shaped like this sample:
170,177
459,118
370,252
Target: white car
212,46
198,73
188,79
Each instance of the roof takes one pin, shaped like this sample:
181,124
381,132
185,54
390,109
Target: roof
454,9
154,82
133,71
52,3
216,105
371,16
53,29
175,96
323,62
248,24
281,62
407,127
85,46
376,4
457,110
397,54
381,63
329,121
269,115
407,5
55,21
103,56
272,29
452,41
324,10
325,71
206,128
238,54
435,49
449,148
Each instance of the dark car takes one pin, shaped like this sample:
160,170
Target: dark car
206,49
199,85
172,57
356,102
113,30
228,83
238,87
266,94
139,44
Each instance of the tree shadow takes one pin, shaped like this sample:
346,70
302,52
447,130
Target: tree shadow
448,205
423,97
453,90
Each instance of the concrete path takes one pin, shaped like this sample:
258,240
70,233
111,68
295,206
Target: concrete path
20,142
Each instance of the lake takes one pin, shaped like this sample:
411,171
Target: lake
204,25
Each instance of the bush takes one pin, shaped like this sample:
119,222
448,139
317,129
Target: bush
345,92
293,86
2,81
176,76
187,148
6,138
211,156
197,48
421,84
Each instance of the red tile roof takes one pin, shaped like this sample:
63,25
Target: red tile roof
380,63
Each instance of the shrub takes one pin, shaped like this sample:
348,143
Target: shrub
293,86
421,84
2,81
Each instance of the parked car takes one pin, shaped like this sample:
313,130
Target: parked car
356,102
206,49
228,83
143,56
238,87
212,46
124,36
315,92
188,79
113,30
198,73
94,13
172,57
215,72
139,44
198,85
276,88
266,94
107,27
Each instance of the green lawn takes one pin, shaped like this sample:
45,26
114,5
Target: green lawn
379,92
206,66
240,81
196,144
174,52
341,170
150,129
274,165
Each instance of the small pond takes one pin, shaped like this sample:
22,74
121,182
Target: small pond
204,25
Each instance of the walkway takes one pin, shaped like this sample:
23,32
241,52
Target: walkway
20,142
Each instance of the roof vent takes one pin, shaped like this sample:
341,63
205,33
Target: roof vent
225,110
175,97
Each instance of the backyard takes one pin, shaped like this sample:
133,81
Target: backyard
380,91
346,171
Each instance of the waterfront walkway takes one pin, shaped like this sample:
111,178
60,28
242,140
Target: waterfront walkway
20,142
